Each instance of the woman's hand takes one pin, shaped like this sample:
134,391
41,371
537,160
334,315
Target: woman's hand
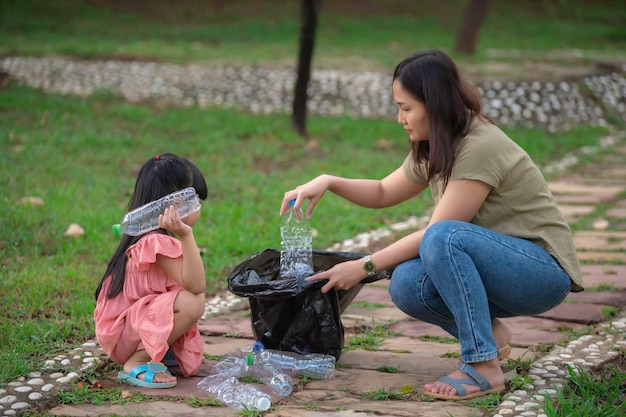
342,276
170,220
313,191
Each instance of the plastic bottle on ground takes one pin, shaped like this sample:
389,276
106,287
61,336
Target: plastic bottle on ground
145,219
268,373
296,255
234,394
312,365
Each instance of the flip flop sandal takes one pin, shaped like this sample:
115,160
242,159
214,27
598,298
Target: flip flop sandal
476,380
149,369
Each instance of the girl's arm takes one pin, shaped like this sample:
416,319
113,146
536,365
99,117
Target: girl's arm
188,270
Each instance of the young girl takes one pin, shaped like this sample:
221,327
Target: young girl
496,245
152,293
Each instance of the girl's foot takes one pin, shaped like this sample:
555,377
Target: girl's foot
141,358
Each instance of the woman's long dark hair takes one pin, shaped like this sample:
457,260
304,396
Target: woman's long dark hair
159,176
432,78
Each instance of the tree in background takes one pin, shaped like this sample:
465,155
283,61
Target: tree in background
310,11
473,17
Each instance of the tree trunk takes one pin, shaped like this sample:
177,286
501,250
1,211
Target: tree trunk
473,17
310,10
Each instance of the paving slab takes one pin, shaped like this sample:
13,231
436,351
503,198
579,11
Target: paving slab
596,275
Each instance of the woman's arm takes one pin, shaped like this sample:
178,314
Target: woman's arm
391,190
461,201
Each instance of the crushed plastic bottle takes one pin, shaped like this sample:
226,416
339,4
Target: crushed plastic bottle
312,365
145,219
234,394
268,373
296,255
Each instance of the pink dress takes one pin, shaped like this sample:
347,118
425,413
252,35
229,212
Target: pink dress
142,315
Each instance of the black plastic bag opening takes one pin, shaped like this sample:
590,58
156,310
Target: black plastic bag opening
294,315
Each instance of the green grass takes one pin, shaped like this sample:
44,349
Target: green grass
80,156
267,32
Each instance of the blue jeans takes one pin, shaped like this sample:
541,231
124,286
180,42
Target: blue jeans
467,275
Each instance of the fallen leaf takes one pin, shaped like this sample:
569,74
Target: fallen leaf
34,201
74,230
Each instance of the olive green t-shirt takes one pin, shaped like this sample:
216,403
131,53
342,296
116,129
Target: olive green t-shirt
519,204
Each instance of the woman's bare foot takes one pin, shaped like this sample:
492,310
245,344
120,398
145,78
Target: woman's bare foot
140,358
501,333
490,370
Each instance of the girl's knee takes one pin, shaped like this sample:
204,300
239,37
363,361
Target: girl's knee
191,304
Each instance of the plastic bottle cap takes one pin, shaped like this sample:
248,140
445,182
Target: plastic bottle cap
117,229
292,203
250,359
262,403
258,346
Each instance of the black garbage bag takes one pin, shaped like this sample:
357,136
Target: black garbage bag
294,315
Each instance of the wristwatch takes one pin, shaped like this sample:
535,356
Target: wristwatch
368,266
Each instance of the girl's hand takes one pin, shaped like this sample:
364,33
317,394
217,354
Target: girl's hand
342,276
170,220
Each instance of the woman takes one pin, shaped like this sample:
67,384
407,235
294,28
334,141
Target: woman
496,244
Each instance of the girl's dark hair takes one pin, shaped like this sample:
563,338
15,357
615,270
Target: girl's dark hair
432,78
158,177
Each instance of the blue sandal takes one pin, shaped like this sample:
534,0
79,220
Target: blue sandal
149,369
474,379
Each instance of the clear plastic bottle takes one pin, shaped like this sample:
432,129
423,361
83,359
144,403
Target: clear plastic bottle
145,219
229,391
312,365
268,373
296,255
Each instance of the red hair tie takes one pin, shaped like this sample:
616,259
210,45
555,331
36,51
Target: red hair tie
158,158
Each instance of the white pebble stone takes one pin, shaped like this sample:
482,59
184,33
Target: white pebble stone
548,391
551,368
77,357
8,399
23,388
35,396
34,374
520,408
514,398
90,344
49,362
10,413
35,381
505,412
88,353
56,375
507,403
90,359
565,356
65,362
20,405
2,391
520,392
528,413
531,404
15,384
47,387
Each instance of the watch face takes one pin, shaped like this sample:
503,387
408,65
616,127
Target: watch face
369,266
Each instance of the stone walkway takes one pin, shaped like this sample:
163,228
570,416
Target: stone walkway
592,198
